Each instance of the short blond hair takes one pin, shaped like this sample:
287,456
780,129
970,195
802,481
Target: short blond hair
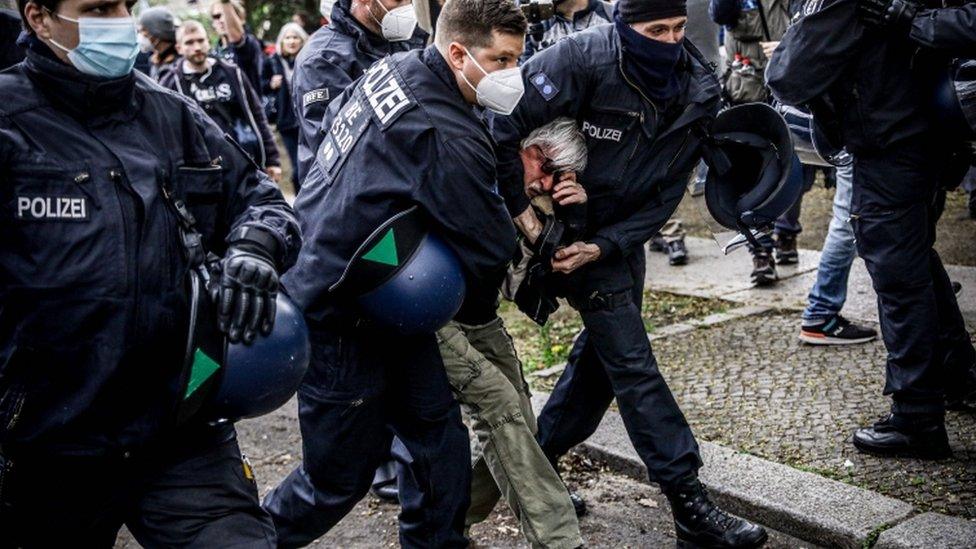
189,26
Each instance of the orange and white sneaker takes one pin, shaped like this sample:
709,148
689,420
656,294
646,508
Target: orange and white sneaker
836,330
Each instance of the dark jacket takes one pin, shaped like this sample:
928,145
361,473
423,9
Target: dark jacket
227,96
161,64
334,57
276,65
422,145
10,27
880,84
93,308
597,12
640,153
248,54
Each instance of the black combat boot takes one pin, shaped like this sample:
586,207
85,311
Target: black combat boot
763,269
960,394
699,523
922,437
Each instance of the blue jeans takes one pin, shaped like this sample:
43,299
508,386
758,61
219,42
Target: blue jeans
829,292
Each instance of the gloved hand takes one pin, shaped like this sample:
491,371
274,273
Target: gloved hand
245,294
895,14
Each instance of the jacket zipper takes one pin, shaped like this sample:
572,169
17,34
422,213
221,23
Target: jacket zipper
15,417
681,149
623,73
132,267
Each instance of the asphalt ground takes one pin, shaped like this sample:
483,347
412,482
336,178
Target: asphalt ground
623,513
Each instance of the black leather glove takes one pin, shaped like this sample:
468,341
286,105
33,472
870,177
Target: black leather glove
893,14
245,293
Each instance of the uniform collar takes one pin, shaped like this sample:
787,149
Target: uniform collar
81,95
438,65
344,23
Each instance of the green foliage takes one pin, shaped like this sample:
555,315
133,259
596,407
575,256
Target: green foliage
267,17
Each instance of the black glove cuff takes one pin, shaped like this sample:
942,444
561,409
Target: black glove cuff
256,241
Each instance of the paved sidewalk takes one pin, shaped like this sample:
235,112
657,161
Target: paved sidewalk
711,274
750,385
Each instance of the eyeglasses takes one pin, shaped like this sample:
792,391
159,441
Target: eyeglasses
549,165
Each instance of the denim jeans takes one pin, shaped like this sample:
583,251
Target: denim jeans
829,292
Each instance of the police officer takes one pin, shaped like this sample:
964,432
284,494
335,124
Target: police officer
643,98
876,85
93,307
404,135
360,33
10,52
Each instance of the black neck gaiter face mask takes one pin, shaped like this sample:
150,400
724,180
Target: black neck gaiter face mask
650,64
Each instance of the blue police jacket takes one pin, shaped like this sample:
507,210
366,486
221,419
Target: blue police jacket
401,136
334,57
93,304
640,153
880,83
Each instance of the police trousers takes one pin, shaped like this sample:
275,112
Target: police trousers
487,380
194,490
894,213
363,386
612,357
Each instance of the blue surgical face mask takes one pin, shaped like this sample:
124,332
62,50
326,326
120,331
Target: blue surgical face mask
107,47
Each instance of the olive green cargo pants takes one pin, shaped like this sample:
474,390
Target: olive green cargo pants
486,377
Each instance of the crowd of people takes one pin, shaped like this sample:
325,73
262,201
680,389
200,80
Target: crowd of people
531,152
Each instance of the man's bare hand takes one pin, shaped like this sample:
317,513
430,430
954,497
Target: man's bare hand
768,48
529,224
276,81
574,256
568,191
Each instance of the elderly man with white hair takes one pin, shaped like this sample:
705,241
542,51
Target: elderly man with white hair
486,375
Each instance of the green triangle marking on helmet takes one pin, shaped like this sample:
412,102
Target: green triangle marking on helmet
384,251
203,368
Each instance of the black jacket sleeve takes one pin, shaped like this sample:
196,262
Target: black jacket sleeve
249,197
257,111
315,73
458,192
562,64
815,52
952,29
270,70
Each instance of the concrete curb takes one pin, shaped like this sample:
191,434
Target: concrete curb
802,505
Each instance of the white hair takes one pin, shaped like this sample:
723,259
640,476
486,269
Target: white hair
562,142
290,27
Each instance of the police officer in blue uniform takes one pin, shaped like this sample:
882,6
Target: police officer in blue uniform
875,85
94,311
10,52
360,33
404,135
643,97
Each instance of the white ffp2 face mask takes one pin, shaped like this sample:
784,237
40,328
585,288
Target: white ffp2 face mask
499,91
325,8
399,23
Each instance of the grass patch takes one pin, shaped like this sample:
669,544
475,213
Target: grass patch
541,347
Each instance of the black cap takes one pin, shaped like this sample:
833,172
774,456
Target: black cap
636,11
